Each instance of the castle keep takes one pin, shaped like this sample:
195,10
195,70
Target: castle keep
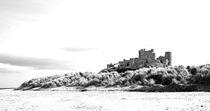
146,58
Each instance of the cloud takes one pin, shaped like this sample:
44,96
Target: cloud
74,49
20,6
37,63
7,71
13,11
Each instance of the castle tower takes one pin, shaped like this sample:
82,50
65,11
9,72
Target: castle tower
168,56
141,53
147,54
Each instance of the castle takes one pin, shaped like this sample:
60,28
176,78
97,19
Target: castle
146,59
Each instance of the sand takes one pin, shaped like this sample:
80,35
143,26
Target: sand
103,101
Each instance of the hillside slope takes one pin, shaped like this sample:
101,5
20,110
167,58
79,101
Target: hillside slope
177,78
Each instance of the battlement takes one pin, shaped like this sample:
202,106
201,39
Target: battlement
147,58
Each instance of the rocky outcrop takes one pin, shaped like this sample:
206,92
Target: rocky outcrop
176,78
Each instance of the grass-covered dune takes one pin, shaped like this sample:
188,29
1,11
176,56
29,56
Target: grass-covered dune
177,78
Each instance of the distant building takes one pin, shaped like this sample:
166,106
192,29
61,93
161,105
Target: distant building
146,59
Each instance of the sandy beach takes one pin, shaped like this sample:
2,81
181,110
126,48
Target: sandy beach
103,101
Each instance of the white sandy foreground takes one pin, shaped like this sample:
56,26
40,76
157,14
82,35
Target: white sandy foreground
103,101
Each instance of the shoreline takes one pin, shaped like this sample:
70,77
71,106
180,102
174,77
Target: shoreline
157,88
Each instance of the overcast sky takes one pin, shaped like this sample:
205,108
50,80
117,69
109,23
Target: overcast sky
47,37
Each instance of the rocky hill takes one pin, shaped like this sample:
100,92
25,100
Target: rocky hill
177,78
